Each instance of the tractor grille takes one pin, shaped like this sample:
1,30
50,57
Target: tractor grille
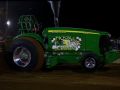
105,44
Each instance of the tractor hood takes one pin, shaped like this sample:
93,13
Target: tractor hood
72,30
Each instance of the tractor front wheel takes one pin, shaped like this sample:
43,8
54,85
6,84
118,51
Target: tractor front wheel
91,62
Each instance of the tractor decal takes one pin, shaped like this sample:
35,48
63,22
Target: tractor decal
66,43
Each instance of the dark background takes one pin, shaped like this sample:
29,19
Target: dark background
102,16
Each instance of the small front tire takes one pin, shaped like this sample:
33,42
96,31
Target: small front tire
90,62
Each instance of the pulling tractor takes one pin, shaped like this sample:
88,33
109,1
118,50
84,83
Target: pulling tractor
31,50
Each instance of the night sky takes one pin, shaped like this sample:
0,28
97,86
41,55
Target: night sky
103,16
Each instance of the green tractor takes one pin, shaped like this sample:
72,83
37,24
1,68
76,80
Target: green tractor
31,51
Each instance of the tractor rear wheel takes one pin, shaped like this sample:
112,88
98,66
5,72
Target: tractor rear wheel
26,54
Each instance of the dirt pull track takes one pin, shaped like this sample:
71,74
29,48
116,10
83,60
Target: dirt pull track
62,79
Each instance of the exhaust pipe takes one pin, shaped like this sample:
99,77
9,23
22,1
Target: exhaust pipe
55,6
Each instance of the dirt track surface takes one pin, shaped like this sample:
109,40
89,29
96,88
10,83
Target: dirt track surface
62,78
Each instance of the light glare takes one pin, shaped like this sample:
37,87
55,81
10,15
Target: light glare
8,23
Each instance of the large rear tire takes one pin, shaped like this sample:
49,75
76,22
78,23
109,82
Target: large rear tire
26,54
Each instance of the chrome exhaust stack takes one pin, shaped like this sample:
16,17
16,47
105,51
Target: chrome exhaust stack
55,6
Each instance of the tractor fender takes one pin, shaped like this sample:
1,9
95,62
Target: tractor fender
31,35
